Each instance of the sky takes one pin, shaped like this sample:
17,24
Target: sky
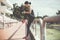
42,7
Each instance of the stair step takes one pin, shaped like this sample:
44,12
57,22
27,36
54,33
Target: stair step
18,39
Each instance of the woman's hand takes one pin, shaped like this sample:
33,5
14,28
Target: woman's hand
27,12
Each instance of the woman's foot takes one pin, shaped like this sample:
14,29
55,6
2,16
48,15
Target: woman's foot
25,37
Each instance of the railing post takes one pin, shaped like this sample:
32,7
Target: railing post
42,30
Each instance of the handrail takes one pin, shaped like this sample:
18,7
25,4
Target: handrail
40,31
15,32
52,19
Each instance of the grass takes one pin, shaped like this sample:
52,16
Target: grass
52,34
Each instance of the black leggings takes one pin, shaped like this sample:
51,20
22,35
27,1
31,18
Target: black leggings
30,19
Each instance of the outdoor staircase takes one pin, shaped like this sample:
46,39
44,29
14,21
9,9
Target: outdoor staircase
13,31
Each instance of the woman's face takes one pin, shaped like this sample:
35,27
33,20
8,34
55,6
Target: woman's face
27,5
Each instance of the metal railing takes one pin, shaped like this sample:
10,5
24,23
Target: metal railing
36,29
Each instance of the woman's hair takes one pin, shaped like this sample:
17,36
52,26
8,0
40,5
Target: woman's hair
29,2
26,2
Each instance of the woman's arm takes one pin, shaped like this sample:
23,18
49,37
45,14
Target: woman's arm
27,12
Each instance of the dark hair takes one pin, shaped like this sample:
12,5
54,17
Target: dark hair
29,2
26,2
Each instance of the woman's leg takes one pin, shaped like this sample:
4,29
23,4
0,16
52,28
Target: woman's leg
30,20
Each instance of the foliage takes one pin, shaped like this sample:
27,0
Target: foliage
58,12
16,11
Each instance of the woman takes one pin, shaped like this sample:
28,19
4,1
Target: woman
28,15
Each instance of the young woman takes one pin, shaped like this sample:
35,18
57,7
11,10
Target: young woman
28,15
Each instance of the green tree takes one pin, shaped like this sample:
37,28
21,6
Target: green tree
45,16
58,13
